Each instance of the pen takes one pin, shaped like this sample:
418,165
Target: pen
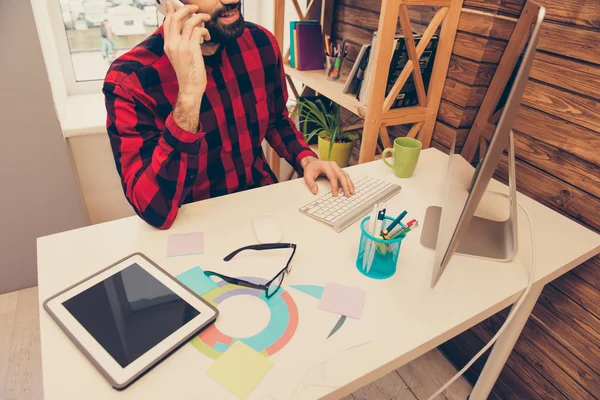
398,229
393,233
394,223
407,229
370,231
380,217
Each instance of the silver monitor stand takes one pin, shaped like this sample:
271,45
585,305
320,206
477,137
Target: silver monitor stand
484,238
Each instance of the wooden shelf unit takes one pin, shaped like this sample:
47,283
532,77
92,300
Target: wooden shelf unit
377,112
330,89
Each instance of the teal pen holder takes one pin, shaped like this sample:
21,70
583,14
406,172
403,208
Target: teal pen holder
385,252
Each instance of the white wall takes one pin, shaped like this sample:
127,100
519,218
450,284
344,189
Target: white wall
37,186
50,51
98,178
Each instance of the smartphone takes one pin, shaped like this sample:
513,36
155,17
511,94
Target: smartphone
161,6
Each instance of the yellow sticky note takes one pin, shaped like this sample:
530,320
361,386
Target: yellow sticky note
240,369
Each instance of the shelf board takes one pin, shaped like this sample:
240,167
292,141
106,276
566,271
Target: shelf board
333,90
405,115
317,81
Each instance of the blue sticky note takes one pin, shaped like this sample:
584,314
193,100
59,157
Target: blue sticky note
196,280
311,290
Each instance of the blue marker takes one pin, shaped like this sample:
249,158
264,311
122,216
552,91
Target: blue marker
394,223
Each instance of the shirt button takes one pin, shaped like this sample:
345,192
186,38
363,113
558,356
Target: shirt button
192,176
197,142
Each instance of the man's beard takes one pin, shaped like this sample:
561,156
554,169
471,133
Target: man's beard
220,33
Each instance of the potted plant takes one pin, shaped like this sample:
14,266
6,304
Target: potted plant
335,142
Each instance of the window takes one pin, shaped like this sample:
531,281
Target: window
90,34
98,31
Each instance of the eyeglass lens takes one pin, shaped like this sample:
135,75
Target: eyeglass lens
275,285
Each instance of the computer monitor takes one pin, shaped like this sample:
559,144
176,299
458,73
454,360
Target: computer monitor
453,228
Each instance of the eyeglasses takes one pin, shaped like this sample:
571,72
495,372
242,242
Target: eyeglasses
272,286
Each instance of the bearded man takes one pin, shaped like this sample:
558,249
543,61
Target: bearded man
188,110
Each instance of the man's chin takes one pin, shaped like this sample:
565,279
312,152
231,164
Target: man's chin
233,30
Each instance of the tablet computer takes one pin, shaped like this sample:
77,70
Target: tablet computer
128,317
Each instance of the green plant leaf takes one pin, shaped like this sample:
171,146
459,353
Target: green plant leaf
334,126
313,133
314,111
330,149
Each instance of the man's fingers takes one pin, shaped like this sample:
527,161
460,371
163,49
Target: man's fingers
189,25
204,17
352,189
343,178
177,18
198,34
167,21
310,182
333,179
350,183
170,8
205,34
184,12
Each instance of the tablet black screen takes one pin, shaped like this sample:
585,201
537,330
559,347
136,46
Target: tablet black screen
129,313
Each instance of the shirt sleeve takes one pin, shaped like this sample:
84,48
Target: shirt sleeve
282,134
157,167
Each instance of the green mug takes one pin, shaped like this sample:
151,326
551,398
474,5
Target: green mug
405,153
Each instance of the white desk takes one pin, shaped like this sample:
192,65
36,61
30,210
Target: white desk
413,319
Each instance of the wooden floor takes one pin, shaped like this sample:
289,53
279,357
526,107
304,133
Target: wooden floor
21,373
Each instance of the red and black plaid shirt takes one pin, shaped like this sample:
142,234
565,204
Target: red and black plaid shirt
163,166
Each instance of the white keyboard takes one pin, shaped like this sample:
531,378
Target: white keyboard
341,211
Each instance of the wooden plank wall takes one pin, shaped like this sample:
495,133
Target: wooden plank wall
558,149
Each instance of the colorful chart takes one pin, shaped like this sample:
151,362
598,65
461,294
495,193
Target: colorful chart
278,332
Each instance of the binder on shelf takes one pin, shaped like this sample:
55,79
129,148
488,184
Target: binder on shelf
293,39
352,81
310,52
408,93
359,81
361,71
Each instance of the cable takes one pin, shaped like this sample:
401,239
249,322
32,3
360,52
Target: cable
512,311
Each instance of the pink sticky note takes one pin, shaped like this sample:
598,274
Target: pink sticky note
185,244
343,300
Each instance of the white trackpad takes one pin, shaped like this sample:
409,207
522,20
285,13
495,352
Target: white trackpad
267,229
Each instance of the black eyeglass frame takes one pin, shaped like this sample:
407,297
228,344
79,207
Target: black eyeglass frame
257,247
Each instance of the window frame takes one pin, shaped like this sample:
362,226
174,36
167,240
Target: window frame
64,54
59,34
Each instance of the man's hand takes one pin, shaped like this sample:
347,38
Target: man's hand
182,46
314,167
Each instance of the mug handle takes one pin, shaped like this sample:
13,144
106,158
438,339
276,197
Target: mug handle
384,156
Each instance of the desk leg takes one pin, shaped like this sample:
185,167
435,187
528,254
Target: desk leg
504,346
